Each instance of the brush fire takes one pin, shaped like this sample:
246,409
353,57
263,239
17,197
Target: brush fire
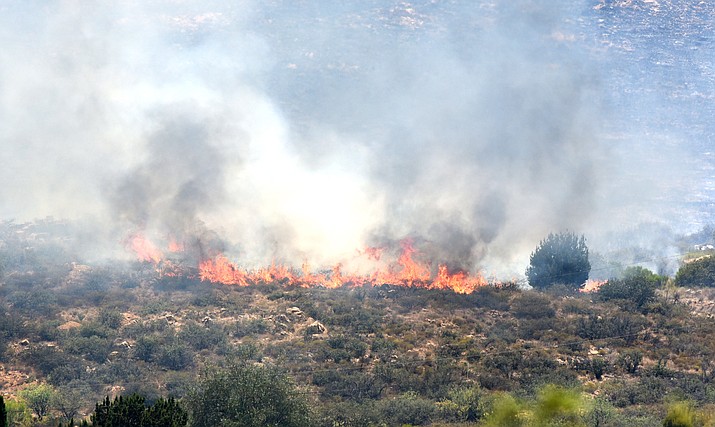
404,270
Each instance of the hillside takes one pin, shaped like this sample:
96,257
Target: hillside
356,353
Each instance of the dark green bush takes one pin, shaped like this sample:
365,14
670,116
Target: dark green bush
407,409
175,356
700,272
636,288
560,258
248,396
532,305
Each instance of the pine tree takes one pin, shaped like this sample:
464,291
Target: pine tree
560,258
165,413
3,413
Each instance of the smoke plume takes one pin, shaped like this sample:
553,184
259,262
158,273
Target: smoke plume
277,132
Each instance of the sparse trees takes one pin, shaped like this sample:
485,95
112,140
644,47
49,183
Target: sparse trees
560,258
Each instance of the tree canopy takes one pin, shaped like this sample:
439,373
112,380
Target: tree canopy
250,396
561,258
700,272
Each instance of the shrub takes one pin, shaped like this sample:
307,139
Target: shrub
202,337
249,396
700,272
560,258
679,414
464,404
408,409
110,318
250,327
532,305
637,288
38,398
175,356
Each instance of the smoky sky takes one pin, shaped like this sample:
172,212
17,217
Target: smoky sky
296,131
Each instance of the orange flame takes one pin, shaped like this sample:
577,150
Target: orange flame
221,270
405,272
145,250
175,246
592,286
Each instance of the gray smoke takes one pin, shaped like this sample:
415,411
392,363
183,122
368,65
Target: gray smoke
277,132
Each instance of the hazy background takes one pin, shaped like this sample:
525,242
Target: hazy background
307,130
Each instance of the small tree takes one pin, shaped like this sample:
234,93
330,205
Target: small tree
165,413
560,258
38,398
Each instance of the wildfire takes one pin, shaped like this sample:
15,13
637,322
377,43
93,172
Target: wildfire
404,271
592,285
145,250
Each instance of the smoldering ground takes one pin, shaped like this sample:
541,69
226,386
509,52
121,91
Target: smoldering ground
278,132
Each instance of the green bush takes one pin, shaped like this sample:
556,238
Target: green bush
175,356
636,288
407,409
248,396
700,272
679,414
532,305
560,258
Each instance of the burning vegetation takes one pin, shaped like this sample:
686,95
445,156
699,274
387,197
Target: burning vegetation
404,270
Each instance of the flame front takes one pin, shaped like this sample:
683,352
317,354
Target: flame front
404,272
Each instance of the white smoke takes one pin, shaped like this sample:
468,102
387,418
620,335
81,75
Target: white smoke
297,134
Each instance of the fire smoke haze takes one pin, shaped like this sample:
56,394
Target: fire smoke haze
297,131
